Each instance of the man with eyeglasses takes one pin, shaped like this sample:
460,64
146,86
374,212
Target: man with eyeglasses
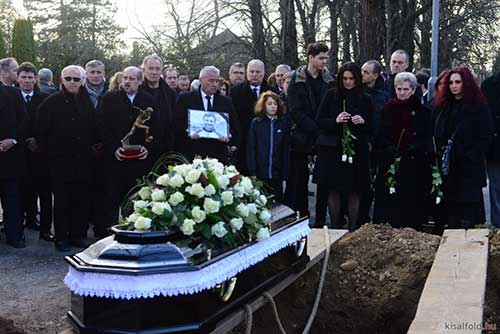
120,109
66,134
236,74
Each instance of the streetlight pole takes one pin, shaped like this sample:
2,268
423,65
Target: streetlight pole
435,47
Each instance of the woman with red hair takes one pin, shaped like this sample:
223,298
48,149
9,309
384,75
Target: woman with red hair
462,129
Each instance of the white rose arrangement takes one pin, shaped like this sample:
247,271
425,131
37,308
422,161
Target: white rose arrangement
204,201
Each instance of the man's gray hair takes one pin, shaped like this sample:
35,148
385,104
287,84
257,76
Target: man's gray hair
257,62
74,67
151,57
406,77
283,67
239,65
7,64
138,72
377,67
209,69
94,63
45,74
403,52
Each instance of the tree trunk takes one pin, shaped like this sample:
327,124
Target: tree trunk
425,42
346,37
288,48
258,38
372,26
334,9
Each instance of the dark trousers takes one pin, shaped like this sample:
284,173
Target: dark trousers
10,199
321,205
71,207
296,194
99,186
276,186
118,187
37,186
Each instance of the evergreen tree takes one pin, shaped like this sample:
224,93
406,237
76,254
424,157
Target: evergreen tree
496,65
23,42
3,52
8,15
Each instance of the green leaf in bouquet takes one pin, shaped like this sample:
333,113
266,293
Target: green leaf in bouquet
251,219
214,218
204,229
167,215
180,219
212,179
170,168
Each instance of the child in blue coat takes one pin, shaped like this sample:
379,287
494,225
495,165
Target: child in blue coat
268,143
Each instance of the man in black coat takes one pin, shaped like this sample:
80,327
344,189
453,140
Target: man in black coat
244,96
12,133
491,89
307,89
66,133
120,110
36,184
164,97
207,98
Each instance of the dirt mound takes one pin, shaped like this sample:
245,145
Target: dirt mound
492,299
7,327
373,284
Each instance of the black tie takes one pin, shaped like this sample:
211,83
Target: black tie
209,104
28,98
255,93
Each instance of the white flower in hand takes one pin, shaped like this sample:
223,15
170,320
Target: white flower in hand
145,193
158,195
392,190
211,206
188,226
263,234
344,157
219,230
176,198
142,223
198,214
349,160
163,180
236,224
438,200
227,198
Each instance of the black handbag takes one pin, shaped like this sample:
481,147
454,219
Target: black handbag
446,158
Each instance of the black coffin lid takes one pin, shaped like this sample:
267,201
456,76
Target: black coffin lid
145,253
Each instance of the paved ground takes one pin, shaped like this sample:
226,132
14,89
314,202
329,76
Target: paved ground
32,292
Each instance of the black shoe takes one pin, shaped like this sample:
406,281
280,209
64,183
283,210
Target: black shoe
80,243
47,236
62,246
19,243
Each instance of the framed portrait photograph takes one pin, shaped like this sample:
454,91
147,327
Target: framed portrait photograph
208,124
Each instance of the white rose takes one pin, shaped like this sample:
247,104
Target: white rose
392,190
139,205
158,195
193,176
176,198
263,199
219,230
349,160
163,180
256,192
159,208
197,190
344,157
242,210
246,183
252,208
188,226
211,206
145,193
239,191
231,169
142,223
183,170
263,234
236,224
265,216
223,181
198,214
438,200
210,190
176,181
227,198
133,217
197,163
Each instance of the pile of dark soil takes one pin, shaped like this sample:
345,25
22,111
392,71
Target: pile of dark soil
7,327
373,284
492,299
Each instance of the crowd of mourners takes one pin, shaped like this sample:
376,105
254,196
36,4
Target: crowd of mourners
378,146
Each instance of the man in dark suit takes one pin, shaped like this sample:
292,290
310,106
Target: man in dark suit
279,74
207,98
36,184
12,133
66,133
164,97
244,96
120,110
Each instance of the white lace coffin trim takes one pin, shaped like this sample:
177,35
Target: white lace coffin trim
183,283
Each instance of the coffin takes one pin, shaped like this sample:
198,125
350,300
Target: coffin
143,283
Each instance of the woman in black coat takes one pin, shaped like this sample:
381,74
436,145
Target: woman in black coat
345,107
405,133
462,115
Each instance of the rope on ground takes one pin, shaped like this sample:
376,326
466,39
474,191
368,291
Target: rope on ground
249,319
275,311
321,281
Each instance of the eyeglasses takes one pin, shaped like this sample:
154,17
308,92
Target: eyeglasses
75,79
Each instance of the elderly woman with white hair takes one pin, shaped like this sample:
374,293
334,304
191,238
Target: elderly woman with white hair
404,151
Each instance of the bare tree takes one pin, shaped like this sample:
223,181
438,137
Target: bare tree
308,12
371,32
288,38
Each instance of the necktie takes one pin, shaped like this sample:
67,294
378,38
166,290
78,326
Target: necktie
256,93
28,98
209,103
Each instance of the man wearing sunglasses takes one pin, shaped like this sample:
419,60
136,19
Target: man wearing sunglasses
66,123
